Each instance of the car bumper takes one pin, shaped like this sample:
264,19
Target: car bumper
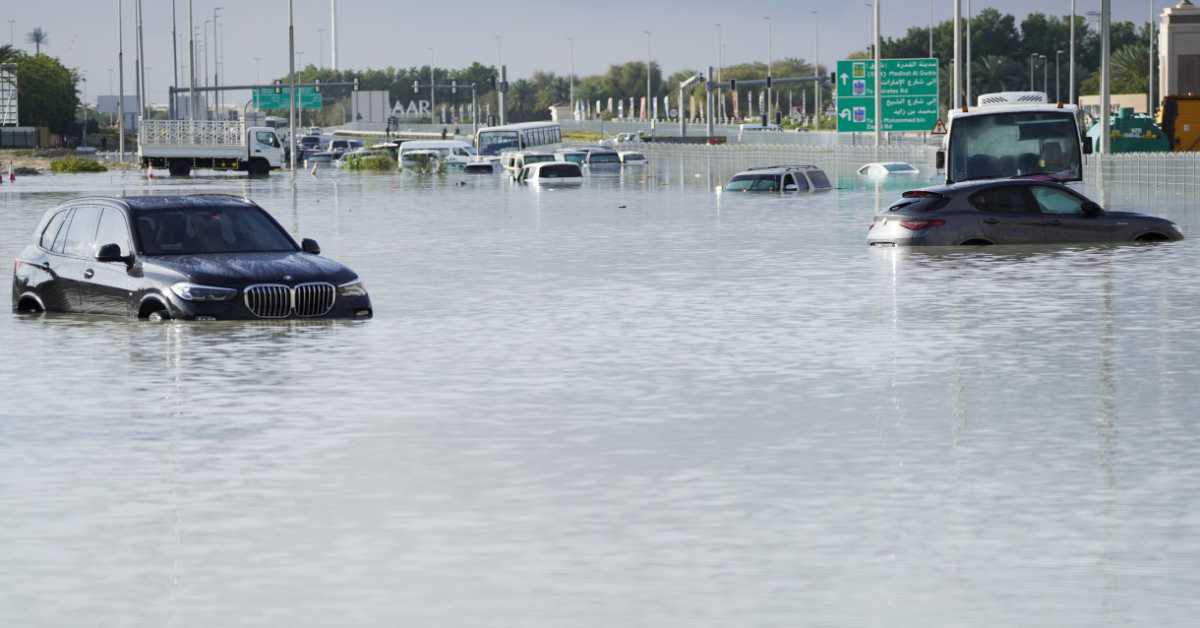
348,308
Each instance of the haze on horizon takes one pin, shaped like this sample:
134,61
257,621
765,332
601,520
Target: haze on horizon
376,34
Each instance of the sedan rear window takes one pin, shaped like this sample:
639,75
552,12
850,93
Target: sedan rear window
563,171
208,230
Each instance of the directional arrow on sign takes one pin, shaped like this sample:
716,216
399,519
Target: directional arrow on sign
845,114
845,77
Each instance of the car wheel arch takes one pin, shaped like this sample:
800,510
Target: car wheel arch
1152,236
150,304
30,303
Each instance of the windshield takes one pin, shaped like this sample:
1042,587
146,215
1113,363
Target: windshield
1006,145
575,158
206,230
754,183
496,142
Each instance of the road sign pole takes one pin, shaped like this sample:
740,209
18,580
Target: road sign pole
878,86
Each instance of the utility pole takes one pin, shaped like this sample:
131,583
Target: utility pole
1071,61
957,100
1058,75
817,70
574,109
191,63
648,92
292,83
1105,75
216,63
970,59
138,60
432,91
720,74
1150,78
173,106
333,32
121,75
878,86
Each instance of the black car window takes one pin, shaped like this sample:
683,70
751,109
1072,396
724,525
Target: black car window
1055,201
60,239
113,230
81,236
206,230
819,180
556,171
52,229
1008,200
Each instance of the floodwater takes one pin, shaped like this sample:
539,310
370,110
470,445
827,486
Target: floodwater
635,403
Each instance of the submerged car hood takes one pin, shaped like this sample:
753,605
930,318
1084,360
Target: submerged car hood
240,269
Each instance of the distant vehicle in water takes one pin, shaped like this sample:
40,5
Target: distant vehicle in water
447,151
481,167
200,257
888,168
632,158
1030,211
492,141
572,155
603,158
515,161
339,147
551,173
181,145
625,138
1013,134
800,178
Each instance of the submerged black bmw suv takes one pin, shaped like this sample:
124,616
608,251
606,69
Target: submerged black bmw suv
199,257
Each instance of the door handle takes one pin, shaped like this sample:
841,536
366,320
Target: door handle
89,273
991,221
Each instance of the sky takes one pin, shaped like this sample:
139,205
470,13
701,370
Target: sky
533,35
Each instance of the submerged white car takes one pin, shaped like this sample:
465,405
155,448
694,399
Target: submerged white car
551,173
887,169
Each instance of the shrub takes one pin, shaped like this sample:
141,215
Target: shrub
74,164
371,162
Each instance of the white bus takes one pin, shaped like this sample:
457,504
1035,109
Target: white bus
491,141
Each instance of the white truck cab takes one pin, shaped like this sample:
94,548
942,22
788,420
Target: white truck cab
1013,134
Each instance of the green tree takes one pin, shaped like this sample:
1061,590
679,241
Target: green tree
38,37
7,53
46,91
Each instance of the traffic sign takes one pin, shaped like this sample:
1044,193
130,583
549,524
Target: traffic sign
939,128
266,99
910,95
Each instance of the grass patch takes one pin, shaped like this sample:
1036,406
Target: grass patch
374,162
72,164
582,136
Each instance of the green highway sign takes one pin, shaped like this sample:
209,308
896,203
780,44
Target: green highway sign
910,95
265,99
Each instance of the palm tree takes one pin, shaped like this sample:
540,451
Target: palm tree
38,37
7,53
1129,69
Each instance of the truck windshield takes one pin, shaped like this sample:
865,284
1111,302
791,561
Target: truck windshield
1003,145
208,230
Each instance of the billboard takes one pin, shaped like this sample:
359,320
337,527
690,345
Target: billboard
8,95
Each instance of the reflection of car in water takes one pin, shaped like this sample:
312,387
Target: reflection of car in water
1009,212
801,178
202,257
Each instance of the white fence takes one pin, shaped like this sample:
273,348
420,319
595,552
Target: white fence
1151,174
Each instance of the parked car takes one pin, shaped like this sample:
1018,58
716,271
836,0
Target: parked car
1009,212
603,158
888,168
632,158
200,257
515,161
801,178
340,147
551,173
481,167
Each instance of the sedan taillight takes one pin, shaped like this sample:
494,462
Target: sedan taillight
921,225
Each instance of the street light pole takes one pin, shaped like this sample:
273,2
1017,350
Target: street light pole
1150,79
432,90
173,105
1105,75
206,75
957,100
648,55
1058,75
1071,60
878,87
1032,59
333,34
931,29
816,71
571,85
970,19
1045,75
216,62
191,63
121,79
720,74
292,84
770,65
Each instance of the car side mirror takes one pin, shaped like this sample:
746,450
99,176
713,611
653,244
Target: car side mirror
310,246
111,253
1088,148
941,160
1092,210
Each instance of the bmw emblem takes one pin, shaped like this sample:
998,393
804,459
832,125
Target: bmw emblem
287,277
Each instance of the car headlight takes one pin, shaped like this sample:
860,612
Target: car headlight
354,288
193,292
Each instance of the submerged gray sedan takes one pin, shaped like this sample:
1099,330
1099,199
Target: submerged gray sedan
1017,211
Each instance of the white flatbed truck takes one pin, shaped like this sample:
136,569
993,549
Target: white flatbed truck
182,145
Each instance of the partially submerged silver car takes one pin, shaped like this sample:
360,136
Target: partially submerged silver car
803,178
1005,211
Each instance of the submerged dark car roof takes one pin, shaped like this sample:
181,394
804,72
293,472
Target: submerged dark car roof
983,184
190,201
